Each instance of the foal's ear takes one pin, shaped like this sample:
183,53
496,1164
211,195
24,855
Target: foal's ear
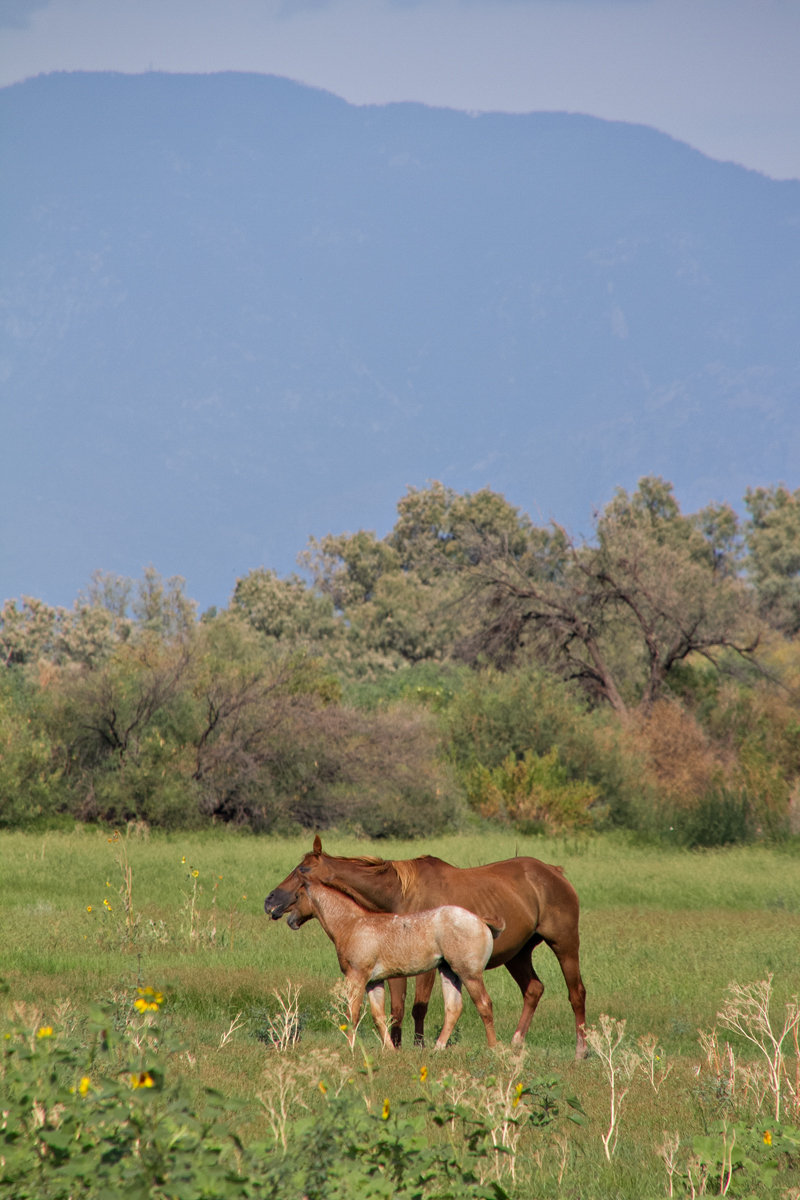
317,847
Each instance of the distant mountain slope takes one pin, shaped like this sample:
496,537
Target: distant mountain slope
236,310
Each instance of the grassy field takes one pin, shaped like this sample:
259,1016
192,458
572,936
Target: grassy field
663,933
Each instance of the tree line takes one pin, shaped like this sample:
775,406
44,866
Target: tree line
468,665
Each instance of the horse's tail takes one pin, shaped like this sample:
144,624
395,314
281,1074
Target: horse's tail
496,925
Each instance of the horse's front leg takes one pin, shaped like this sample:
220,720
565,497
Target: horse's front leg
423,986
397,994
377,1002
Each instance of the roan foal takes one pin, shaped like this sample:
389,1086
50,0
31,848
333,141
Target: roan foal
373,947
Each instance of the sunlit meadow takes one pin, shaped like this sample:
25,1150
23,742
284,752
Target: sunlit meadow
663,933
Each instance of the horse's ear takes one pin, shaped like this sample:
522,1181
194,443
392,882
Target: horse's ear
317,845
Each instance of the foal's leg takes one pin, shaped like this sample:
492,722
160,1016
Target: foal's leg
423,987
483,1002
521,969
355,997
397,992
453,1004
377,1002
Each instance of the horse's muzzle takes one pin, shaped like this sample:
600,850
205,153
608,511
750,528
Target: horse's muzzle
277,903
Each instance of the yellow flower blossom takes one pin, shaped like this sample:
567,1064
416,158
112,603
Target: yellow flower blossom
144,1006
195,874
45,1031
322,1088
385,1113
423,1074
183,860
143,1080
767,1138
88,908
517,1095
152,993
84,1085
343,1028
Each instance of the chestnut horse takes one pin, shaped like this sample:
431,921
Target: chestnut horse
372,947
537,903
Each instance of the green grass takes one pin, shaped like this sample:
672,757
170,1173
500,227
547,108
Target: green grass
663,932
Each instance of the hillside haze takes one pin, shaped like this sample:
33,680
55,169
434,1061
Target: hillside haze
237,311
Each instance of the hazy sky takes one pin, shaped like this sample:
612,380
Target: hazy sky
723,75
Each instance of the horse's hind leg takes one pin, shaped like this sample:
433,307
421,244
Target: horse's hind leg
423,987
377,1002
483,1003
397,993
566,951
529,983
453,1004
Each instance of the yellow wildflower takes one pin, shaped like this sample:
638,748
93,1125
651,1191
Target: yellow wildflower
343,1028
322,1088
88,908
195,874
423,1075
84,1085
385,1113
183,860
143,1080
767,1138
144,1006
517,1095
152,993
45,1031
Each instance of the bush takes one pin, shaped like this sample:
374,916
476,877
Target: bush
28,776
497,714
532,793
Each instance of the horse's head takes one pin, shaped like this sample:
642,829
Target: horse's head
289,897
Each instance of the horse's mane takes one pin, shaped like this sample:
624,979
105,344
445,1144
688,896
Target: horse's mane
406,869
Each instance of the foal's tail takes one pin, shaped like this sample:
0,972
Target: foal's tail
496,925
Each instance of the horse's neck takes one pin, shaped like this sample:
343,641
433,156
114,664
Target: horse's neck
378,892
333,910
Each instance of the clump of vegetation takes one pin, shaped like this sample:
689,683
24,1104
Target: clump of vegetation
533,794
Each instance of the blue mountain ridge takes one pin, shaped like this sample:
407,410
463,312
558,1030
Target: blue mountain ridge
237,310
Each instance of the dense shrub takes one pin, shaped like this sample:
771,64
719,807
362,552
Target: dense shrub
532,793
28,777
501,714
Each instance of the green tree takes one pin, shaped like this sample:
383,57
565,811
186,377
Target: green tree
773,563
285,610
617,614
